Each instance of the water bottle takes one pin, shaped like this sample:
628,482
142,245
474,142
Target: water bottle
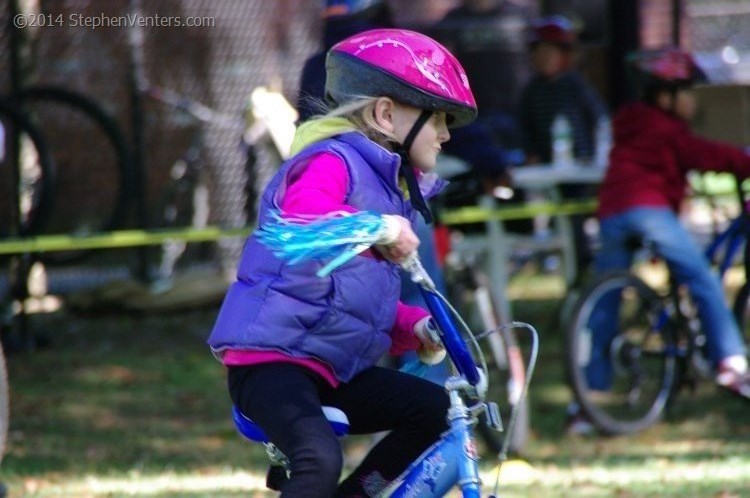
562,141
603,142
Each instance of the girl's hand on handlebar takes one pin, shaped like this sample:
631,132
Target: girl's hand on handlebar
398,240
432,350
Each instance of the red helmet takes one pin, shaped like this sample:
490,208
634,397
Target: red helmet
351,8
408,66
557,30
668,65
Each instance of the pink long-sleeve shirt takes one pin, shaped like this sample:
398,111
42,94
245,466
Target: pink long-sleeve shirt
321,188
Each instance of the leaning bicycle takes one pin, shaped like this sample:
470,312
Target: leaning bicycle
469,289
80,136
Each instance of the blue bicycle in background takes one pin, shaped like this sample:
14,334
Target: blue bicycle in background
658,345
453,461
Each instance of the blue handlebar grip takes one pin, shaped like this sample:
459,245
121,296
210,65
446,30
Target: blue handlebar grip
454,344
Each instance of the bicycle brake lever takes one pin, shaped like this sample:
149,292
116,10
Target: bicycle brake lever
432,332
494,420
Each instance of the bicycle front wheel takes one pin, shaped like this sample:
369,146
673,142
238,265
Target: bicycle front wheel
621,354
95,175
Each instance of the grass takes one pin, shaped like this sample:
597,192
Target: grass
125,405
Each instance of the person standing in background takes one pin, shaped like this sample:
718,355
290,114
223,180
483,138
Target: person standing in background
557,95
557,89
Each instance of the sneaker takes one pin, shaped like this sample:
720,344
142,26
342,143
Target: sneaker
577,423
736,382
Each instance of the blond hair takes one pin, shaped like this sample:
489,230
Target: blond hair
361,112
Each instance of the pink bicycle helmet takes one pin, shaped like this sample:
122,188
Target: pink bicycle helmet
407,66
668,65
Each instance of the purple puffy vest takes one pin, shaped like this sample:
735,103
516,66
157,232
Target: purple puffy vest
343,319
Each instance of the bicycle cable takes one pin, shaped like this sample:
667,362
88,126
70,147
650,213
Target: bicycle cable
530,367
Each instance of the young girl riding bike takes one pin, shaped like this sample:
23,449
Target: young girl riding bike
293,341
641,194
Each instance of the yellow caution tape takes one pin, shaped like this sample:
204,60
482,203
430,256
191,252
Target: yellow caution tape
133,238
474,214
116,239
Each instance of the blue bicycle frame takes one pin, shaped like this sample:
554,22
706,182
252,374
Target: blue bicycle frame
733,237
453,459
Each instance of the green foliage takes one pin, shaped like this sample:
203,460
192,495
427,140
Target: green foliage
136,406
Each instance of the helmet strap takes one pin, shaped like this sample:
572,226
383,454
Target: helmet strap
407,171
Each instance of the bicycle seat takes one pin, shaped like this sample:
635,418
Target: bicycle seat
338,420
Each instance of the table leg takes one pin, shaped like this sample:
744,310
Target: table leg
567,241
498,260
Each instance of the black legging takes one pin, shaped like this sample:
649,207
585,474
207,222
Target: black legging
285,400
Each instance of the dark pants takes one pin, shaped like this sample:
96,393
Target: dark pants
285,401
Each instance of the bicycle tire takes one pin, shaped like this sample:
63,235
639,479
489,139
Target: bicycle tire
82,137
36,181
4,404
509,374
481,314
742,310
642,351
